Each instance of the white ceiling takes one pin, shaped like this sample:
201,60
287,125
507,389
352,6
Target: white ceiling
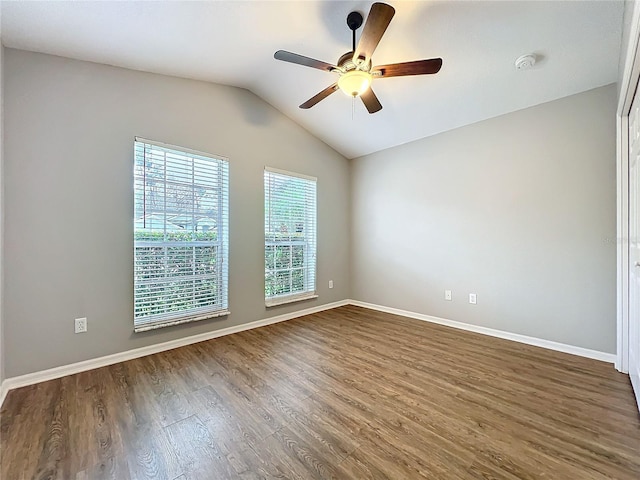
233,43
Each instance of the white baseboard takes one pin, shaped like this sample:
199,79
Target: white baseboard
634,375
57,372
516,337
64,370
3,392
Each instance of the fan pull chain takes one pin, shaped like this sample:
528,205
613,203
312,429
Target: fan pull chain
353,107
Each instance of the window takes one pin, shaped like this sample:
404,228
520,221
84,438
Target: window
289,237
180,235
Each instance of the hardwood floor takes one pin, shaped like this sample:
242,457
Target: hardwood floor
348,394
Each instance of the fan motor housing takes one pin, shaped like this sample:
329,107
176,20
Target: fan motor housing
345,62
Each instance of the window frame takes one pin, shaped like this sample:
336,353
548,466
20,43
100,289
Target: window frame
275,300
221,243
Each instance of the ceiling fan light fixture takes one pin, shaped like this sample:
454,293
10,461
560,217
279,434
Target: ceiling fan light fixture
355,68
354,82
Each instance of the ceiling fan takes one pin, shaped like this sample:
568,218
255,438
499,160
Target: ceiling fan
355,68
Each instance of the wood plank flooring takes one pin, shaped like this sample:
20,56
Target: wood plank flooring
346,394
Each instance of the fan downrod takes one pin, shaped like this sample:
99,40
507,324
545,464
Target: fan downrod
354,21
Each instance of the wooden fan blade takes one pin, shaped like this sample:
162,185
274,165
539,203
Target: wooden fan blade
302,60
377,22
320,96
418,67
371,101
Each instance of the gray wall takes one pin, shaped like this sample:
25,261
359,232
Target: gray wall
68,200
2,355
519,209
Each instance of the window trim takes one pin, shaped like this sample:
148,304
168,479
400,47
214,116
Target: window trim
307,295
291,174
181,320
284,299
202,313
181,149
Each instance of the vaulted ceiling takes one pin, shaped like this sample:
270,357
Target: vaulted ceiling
232,42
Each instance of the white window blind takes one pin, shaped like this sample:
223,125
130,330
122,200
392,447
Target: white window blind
181,217
290,236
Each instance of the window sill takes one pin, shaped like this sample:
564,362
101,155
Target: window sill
274,302
180,321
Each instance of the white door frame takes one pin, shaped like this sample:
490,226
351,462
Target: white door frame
628,83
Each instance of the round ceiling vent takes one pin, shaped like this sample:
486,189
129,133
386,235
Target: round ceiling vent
525,62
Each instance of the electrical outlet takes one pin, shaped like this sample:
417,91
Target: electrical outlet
81,325
473,299
330,283
447,295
